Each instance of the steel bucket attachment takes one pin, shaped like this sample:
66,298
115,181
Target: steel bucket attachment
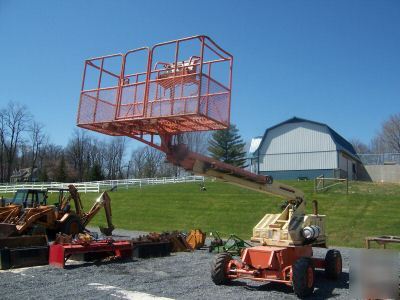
107,231
7,230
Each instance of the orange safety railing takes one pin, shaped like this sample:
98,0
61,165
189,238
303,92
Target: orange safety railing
173,87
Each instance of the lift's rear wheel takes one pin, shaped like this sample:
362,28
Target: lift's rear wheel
303,277
333,264
72,225
219,268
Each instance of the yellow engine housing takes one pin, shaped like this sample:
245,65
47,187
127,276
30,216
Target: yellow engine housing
285,229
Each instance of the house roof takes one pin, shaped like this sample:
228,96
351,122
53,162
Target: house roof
347,147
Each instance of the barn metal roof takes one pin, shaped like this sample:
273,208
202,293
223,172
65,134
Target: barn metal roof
347,147
255,144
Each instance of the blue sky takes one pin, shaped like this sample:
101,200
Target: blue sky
336,62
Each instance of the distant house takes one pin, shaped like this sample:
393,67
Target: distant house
299,148
24,175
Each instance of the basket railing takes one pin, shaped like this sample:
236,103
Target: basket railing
177,88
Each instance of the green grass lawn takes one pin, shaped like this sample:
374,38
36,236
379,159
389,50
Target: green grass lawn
369,209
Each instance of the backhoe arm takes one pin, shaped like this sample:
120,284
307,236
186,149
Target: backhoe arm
103,201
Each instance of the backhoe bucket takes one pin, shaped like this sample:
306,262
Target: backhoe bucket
107,231
7,230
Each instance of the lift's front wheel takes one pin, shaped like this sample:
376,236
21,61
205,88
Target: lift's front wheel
219,268
303,277
333,264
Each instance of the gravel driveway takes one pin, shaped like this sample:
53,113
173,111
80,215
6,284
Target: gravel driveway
179,276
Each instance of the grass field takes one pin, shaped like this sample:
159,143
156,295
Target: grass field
369,209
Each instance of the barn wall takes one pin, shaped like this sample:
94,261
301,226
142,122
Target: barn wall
299,161
298,146
346,164
295,174
298,137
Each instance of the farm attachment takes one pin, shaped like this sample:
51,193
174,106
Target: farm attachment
178,241
233,245
84,244
145,246
23,251
196,239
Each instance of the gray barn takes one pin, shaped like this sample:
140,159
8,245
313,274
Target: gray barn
300,148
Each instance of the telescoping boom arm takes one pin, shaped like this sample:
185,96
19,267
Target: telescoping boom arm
179,155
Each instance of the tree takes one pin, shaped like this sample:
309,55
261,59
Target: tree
113,156
77,152
138,162
227,146
378,145
150,162
13,122
96,174
391,133
43,176
153,162
37,139
359,146
196,141
48,161
61,171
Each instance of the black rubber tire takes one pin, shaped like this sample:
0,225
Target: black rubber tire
333,264
218,268
72,225
302,269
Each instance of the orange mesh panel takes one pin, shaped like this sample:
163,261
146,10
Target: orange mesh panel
86,110
105,110
132,100
98,105
173,96
214,102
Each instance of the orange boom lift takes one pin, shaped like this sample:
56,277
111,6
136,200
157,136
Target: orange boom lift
154,94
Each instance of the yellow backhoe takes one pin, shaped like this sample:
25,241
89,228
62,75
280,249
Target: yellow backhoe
29,213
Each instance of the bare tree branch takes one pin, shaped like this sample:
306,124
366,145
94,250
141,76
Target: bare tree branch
14,121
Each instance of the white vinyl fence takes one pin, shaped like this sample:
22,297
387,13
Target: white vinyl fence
97,186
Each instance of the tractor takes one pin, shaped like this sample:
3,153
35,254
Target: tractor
30,213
